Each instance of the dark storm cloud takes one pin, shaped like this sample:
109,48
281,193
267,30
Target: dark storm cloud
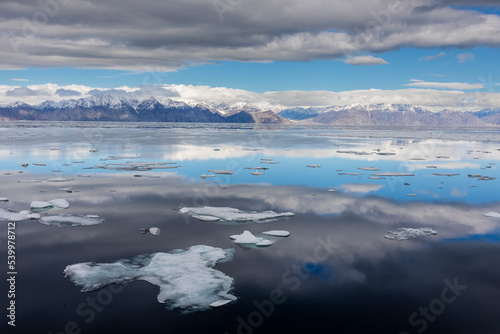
171,34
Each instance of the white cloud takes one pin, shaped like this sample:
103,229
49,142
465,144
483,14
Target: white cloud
431,99
435,57
365,60
445,85
463,57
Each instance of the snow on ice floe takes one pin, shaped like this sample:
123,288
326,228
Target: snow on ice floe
392,174
55,203
409,233
495,215
15,216
4,199
248,240
232,215
71,220
221,171
186,278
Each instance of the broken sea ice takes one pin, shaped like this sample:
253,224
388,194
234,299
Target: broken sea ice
185,277
71,220
232,215
409,233
15,216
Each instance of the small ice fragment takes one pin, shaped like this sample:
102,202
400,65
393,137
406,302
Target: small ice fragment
444,174
277,233
270,162
39,165
258,168
154,230
313,166
495,215
221,302
392,174
4,199
68,189
59,179
332,190
257,173
221,171
14,216
71,220
25,165
55,203
143,230
409,233
442,157
430,166
216,149
204,176
411,195
266,159
374,169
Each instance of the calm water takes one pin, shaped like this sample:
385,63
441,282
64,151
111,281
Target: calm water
335,273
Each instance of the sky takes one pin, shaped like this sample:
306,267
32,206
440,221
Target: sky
431,53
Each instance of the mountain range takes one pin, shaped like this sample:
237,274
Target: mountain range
129,108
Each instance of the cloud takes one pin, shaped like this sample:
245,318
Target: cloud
435,57
445,85
463,57
67,92
166,36
23,80
365,60
25,91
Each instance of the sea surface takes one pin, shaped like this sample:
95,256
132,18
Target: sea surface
335,273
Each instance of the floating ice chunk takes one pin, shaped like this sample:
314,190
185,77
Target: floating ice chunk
185,277
495,215
154,230
442,157
221,302
313,166
39,165
14,216
4,199
411,195
204,176
258,168
221,171
59,179
444,174
269,162
30,181
55,203
430,166
374,169
121,157
257,173
277,233
226,214
71,220
392,174
409,233
332,190
68,189
25,165
246,238
266,159
353,174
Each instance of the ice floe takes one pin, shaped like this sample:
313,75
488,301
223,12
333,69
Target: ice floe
495,215
248,240
313,166
277,233
204,176
409,233
71,220
136,166
55,203
15,216
221,171
232,215
4,199
185,277
445,174
373,169
392,174
257,173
